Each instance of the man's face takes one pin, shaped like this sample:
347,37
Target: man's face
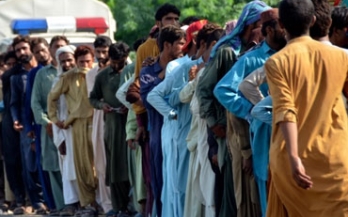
23,52
67,61
102,55
119,64
176,48
10,63
55,46
341,36
85,61
41,53
169,19
279,36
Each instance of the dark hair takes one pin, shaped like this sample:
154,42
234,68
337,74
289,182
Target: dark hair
296,16
169,34
137,43
102,41
166,9
19,39
83,50
189,20
271,23
215,36
204,33
323,17
36,41
339,18
9,55
2,57
58,38
154,34
118,50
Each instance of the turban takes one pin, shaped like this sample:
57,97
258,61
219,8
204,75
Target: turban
250,14
64,49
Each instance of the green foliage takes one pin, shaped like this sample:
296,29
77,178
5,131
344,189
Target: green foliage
136,17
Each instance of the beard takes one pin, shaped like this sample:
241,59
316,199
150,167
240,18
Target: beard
25,58
280,40
102,61
66,68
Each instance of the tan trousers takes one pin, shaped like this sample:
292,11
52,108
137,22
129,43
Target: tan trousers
83,159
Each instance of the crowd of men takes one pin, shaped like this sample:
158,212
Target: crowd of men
243,121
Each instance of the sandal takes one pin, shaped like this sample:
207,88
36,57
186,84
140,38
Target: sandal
19,210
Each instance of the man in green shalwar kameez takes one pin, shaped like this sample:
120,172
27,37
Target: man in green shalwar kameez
115,114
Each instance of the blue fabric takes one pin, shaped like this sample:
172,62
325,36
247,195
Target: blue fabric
148,80
262,111
29,121
30,125
262,188
179,78
29,167
226,91
2,107
250,14
158,98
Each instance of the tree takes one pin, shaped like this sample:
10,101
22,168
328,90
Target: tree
136,17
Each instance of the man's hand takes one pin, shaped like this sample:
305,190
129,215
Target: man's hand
31,135
214,160
123,110
32,145
107,108
17,126
60,124
131,144
162,74
62,149
148,61
299,173
49,130
141,134
248,165
219,130
193,72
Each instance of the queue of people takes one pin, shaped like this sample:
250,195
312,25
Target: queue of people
243,121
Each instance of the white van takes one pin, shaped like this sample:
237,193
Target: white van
79,20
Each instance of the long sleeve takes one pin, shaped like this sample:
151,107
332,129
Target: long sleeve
263,110
52,107
131,125
283,103
226,91
15,102
29,120
250,85
147,83
122,93
157,97
96,94
187,92
189,89
210,109
181,78
37,101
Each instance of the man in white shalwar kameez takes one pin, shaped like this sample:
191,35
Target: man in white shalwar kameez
201,177
62,138
103,197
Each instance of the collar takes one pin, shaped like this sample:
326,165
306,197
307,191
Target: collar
157,67
300,39
266,48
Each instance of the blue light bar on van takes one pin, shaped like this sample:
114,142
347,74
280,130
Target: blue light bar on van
27,26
